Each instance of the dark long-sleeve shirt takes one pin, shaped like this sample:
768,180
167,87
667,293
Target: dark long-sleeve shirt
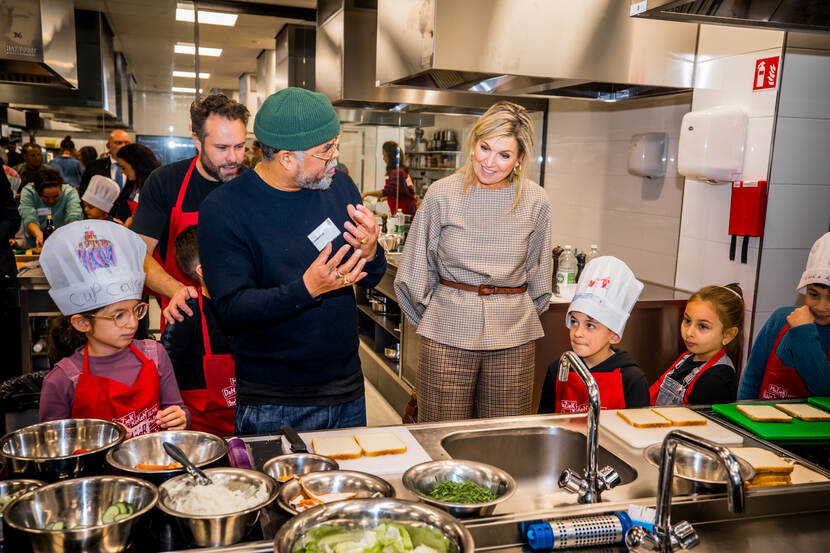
290,348
9,223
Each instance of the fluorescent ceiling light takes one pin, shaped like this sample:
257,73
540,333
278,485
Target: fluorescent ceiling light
182,48
190,74
185,89
185,13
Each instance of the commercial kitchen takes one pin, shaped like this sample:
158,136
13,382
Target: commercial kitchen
687,139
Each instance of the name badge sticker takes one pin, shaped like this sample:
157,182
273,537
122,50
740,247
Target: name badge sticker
323,234
44,211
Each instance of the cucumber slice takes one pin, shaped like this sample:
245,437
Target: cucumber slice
119,517
122,508
130,508
110,513
56,525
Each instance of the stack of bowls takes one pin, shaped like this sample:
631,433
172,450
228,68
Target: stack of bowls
361,484
11,488
284,467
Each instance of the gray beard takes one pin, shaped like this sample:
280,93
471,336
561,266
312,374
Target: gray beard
310,183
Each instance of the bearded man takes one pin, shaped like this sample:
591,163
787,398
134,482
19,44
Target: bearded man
280,248
172,194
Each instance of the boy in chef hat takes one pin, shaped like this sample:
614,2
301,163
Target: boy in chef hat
99,197
95,270
791,355
606,293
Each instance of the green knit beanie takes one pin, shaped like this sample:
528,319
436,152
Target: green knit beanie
296,119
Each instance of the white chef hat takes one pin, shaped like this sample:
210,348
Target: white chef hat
101,192
91,264
818,264
607,291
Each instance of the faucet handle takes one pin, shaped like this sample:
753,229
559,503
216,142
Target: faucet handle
608,477
639,539
571,481
684,535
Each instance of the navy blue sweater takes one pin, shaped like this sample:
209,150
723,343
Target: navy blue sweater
290,348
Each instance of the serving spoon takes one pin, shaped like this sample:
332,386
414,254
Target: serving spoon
178,455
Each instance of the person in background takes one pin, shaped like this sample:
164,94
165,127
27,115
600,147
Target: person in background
398,190
87,155
9,287
713,331
274,245
200,351
12,157
791,355
256,153
14,181
99,198
605,295
47,195
66,163
107,165
475,275
32,162
137,161
104,373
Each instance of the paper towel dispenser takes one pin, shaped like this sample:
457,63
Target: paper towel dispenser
647,155
712,144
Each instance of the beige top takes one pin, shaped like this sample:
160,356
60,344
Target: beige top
474,238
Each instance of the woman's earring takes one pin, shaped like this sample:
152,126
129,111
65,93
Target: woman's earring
517,171
724,342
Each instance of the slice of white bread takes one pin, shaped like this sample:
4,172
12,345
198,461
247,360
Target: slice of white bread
380,443
804,411
680,416
764,413
764,462
336,447
643,418
803,475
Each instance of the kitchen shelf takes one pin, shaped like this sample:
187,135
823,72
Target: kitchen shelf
389,324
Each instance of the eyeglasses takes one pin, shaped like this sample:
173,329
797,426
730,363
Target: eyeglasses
331,151
122,318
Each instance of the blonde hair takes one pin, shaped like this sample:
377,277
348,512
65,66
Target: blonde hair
502,119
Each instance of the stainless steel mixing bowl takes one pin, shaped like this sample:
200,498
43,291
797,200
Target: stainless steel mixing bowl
218,530
283,467
697,467
422,479
45,450
80,504
203,448
11,488
363,485
368,514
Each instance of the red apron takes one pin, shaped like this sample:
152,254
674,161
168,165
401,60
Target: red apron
654,390
779,380
213,409
406,205
99,397
572,396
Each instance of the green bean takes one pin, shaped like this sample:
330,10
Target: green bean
465,492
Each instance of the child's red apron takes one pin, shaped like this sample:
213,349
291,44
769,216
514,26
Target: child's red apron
572,396
779,380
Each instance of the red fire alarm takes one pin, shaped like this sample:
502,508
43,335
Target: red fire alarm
766,73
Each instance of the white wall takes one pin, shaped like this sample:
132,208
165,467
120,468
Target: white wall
594,198
156,112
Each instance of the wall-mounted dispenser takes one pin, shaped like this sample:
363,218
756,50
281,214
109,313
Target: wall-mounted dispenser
712,144
647,155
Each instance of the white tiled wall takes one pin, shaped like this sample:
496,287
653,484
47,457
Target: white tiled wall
594,198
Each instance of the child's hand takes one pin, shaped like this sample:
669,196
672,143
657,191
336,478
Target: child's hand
800,316
172,418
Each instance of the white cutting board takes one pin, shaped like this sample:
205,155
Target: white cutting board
383,464
643,437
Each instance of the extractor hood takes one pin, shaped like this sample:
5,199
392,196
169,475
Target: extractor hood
345,70
785,15
37,43
587,49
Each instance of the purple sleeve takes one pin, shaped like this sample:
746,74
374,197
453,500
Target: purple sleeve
56,396
168,387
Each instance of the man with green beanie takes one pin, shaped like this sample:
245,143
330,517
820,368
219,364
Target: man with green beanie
280,248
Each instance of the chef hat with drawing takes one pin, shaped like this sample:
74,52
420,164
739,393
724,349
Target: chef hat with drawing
607,291
818,264
91,264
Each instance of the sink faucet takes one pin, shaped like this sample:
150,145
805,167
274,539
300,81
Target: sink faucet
667,538
593,482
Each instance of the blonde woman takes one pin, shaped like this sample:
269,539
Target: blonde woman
476,274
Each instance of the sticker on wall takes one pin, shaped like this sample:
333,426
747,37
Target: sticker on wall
766,73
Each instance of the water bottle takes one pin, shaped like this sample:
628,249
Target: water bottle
566,273
593,254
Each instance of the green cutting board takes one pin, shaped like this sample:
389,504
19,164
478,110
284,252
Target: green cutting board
776,431
820,401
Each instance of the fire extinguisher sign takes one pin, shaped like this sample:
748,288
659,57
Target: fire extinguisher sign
766,73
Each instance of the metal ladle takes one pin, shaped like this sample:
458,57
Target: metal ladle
178,455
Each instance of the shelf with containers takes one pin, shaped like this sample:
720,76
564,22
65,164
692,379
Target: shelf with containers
428,166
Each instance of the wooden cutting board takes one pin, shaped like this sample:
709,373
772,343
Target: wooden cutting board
383,464
644,437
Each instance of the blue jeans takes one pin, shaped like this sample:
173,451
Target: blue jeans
267,419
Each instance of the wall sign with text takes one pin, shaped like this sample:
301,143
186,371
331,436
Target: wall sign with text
766,73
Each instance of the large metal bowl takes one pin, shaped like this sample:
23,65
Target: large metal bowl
81,501
368,514
283,467
361,484
10,488
203,448
44,451
218,530
422,479
697,467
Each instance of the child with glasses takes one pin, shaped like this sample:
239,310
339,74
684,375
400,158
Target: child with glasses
95,271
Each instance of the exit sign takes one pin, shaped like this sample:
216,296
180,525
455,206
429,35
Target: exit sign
766,73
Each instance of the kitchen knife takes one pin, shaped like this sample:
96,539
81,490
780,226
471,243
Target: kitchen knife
297,443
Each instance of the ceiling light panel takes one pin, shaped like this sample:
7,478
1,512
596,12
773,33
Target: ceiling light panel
185,13
190,74
182,48
185,89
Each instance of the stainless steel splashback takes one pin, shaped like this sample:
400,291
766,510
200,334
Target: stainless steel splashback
584,49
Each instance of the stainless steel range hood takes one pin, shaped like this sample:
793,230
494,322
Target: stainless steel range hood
786,15
345,71
37,43
587,49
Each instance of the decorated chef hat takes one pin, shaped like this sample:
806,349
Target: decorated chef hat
101,192
606,292
91,264
818,264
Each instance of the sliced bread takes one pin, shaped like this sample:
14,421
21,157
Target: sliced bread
764,413
336,447
380,443
680,416
803,475
804,411
643,418
764,462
